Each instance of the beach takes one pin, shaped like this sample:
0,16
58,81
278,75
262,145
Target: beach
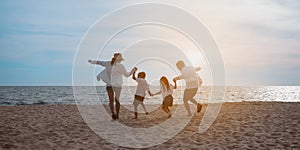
239,125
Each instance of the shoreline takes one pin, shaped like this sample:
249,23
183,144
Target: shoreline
201,102
252,125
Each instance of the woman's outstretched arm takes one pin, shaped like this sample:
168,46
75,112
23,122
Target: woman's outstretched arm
102,63
125,73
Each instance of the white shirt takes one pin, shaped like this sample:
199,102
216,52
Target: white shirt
104,75
142,87
190,76
168,92
117,73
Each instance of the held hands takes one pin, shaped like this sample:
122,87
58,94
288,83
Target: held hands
174,80
134,69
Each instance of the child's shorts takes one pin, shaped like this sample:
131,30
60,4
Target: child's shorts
138,100
168,101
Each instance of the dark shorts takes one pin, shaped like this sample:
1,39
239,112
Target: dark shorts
168,101
189,94
139,98
109,89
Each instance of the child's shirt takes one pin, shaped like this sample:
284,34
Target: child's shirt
142,87
168,92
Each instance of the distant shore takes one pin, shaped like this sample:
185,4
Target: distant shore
252,125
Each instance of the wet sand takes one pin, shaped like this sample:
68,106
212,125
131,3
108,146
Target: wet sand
241,125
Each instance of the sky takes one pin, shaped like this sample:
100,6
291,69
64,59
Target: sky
258,39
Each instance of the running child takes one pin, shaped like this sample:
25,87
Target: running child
140,93
166,89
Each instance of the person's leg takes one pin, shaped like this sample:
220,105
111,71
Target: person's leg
169,112
166,109
110,94
192,93
185,101
135,110
163,107
143,105
117,100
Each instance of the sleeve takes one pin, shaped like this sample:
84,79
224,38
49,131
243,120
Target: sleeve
181,76
171,87
104,63
138,80
123,71
199,80
161,89
148,87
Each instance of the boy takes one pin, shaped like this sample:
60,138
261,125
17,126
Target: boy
140,93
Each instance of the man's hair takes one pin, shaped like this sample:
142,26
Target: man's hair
180,64
142,75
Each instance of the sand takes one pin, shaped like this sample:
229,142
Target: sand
241,125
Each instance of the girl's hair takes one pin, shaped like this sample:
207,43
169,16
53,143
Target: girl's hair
113,60
166,83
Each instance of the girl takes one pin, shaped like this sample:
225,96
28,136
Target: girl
166,89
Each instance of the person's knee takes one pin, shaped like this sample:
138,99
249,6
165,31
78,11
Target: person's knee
111,102
185,99
164,107
135,108
117,101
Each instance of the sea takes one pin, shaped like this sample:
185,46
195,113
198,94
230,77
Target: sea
47,95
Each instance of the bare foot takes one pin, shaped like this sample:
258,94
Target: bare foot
199,107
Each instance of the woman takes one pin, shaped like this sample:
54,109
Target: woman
106,76
166,89
117,73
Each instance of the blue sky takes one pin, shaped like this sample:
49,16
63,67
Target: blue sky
259,39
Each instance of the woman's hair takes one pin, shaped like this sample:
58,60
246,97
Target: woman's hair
113,60
166,84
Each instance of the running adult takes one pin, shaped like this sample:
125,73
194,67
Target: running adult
188,73
117,72
106,76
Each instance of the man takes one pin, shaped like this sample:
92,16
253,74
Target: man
188,73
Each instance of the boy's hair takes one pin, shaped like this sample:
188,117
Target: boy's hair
142,75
